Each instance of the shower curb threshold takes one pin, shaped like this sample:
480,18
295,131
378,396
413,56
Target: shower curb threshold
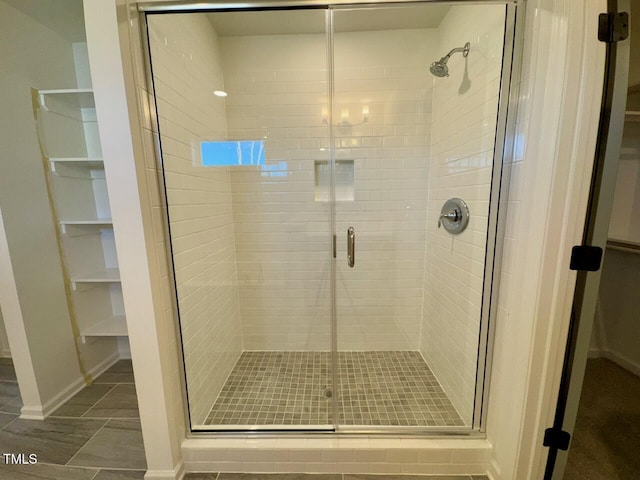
428,456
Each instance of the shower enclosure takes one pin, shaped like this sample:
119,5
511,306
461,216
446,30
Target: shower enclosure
323,281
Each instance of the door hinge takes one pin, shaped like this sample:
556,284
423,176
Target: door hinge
334,245
585,258
613,27
556,438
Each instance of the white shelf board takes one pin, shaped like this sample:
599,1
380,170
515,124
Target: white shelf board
100,222
91,163
109,327
108,275
77,97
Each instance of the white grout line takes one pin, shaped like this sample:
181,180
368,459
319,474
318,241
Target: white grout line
17,417
100,399
85,444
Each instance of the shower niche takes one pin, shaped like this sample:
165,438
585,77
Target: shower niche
344,180
277,304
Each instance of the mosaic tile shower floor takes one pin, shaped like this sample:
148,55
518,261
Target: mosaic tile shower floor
291,388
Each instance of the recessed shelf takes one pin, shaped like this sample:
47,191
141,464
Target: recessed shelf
74,97
115,326
109,275
344,180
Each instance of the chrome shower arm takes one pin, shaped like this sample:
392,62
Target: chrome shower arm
464,50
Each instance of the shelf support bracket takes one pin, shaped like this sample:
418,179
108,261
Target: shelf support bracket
42,102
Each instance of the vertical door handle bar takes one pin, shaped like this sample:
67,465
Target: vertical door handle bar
351,246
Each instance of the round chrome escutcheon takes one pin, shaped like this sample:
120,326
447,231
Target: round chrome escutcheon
454,216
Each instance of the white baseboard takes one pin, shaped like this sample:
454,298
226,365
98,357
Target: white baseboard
177,473
617,358
104,365
40,412
494,470
624,362
595,353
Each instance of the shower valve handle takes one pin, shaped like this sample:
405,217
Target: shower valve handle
453,215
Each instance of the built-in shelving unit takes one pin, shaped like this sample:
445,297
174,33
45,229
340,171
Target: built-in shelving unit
77,183
109,327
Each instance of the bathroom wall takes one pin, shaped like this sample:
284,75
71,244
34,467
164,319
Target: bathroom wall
43,60
277,89
462,144
616,321
634,34
615,329
5,351
186,68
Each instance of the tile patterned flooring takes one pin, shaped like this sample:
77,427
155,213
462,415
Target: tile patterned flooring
95,435
375,388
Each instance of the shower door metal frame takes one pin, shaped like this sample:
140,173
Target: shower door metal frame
503,156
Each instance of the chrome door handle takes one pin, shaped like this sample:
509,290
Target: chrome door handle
351,246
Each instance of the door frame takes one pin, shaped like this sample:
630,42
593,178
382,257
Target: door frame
595,233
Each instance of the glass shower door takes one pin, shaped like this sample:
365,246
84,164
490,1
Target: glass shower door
412,129
242,100
317,182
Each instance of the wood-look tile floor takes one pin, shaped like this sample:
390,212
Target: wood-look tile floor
95,435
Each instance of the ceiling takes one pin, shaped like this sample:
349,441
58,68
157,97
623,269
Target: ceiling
292,22
64,17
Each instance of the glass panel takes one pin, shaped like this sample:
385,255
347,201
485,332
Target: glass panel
242,100
409,309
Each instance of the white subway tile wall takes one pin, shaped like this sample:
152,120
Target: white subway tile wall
283,239
463,130
384,74
186,71
277,87
363,455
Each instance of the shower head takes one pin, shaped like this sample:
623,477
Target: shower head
440,69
